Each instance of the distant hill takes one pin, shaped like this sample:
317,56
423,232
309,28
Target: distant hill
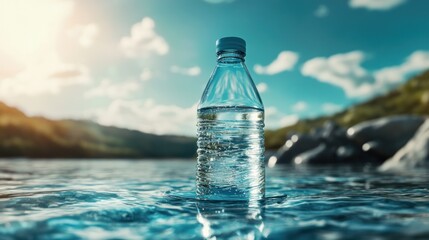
410,98
38,137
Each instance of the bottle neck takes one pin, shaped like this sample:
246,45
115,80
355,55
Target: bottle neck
230,57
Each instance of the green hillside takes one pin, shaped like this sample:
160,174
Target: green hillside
410,98
23,136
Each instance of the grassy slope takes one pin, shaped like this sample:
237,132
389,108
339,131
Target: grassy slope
410,98
22,136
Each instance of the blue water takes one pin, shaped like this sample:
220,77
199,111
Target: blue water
230,153
153,200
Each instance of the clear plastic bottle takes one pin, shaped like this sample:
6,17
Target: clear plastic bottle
230,130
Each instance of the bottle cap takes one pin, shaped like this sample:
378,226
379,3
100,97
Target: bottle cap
231,43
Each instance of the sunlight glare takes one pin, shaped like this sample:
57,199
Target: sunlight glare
29,29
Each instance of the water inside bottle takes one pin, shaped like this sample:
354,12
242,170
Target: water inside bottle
231,154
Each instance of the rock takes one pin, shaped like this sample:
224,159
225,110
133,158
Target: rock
331,131
385,136
368,142
413,155
268,154
326,153
294,146
353,154
328,144
318,155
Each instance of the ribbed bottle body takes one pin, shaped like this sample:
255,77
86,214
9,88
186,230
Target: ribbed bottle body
230,154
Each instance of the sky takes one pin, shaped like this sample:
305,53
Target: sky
144,64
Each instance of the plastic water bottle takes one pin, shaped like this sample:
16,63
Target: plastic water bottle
230,130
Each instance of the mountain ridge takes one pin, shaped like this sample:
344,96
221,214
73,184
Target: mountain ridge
39,137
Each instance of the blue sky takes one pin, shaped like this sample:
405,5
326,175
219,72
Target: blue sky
144,64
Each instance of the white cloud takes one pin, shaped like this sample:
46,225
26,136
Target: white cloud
275,119
321,11
192,71
113,90
219,1
345,71
286,60
85,34
300,106
150,117
8,67
43,78
146,74
289,120
270,111
417,61
375,4
144,41
330,107
262,87
342,70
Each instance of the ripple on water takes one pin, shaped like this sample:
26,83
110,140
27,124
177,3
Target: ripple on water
54,199
134,203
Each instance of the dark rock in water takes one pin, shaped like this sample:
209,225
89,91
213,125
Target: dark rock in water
294,146
330,131
268,154
385,136
328,144
327,153
413,155
350,153
318,155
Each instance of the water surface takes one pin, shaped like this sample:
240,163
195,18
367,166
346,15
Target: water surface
122,199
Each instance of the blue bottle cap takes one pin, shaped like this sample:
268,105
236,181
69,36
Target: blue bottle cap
231,43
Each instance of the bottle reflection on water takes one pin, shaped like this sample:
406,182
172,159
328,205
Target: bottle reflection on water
231,220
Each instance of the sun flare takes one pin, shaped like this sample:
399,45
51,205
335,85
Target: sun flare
29,29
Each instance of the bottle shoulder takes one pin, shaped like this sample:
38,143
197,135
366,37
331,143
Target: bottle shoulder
231,85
